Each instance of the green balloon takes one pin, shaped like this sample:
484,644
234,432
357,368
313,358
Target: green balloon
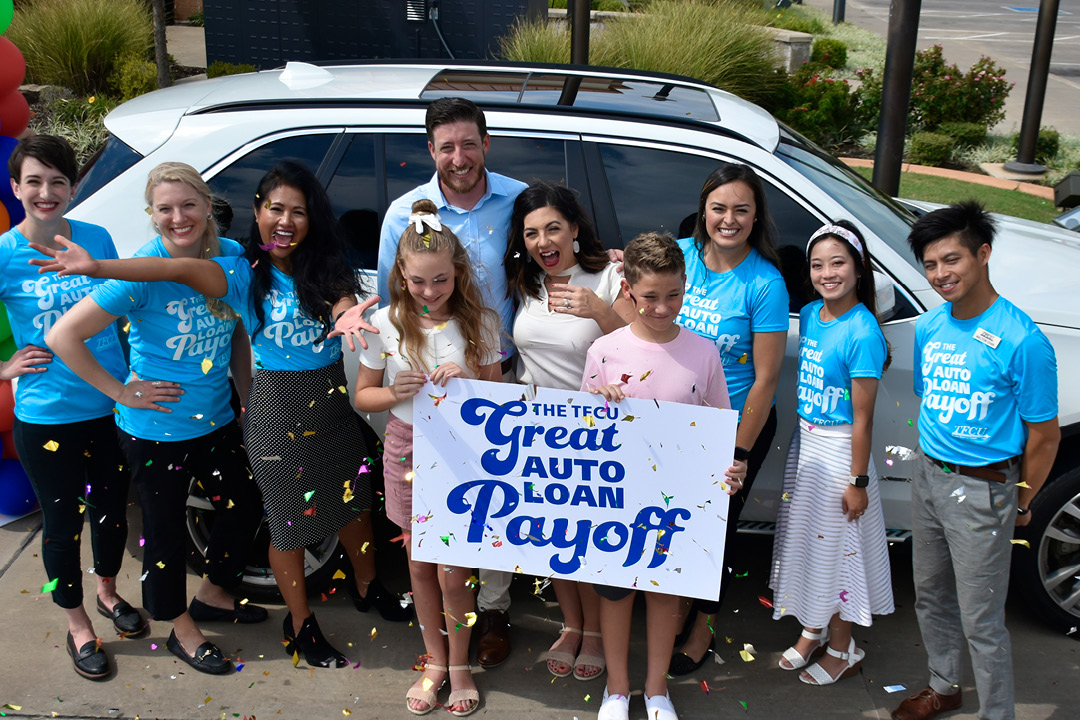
5,323
7,348
7,11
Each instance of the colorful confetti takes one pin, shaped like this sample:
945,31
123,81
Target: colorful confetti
51,446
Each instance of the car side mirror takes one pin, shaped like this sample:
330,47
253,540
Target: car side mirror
886,296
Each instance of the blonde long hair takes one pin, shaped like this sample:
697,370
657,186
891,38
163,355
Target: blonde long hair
465,303
210,246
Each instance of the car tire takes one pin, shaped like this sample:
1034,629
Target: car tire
258,583
1045,574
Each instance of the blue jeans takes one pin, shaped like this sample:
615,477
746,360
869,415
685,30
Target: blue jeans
961,529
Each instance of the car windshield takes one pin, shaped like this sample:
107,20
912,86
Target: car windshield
106,164
881,214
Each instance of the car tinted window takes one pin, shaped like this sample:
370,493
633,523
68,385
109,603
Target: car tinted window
408,162
354,197
235,186
106,164
655,189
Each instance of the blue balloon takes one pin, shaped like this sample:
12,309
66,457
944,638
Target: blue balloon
16,494
14,207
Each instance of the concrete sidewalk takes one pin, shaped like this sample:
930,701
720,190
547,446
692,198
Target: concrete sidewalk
151,683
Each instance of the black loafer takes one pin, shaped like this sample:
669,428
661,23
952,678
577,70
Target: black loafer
128,621
90,661
208,658
682,664
245,614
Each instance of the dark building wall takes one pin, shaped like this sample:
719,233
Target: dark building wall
268,33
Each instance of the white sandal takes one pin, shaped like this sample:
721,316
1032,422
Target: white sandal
659,707
561,657
796,659
819,676
614,707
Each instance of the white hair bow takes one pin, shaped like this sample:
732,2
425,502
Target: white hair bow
422,219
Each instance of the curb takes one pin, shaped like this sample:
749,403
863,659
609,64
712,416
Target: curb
1041,191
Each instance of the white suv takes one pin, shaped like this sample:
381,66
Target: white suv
637,147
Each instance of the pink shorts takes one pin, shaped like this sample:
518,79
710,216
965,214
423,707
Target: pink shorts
397,463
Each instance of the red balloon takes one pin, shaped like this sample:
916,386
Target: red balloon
5,219
7,406
7,439
14,114
12,66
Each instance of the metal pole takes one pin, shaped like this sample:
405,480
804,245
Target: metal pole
838,11
896,93
579,32
1036,90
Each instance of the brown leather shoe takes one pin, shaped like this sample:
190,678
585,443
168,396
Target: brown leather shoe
925,705
494,644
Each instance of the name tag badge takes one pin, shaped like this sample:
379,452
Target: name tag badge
987,338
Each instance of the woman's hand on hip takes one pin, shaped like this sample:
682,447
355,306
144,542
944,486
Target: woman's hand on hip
146,394
27,359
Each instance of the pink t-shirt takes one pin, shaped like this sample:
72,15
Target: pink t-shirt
686,370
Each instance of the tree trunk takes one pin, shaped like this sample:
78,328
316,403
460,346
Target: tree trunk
161,50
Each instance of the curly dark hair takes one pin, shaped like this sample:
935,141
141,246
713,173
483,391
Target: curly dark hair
320,272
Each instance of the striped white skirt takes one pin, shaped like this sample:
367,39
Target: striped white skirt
822,563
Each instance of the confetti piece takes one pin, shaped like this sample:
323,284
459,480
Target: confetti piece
589,421
894,688
1023,485
588,697
338,575
160,564
843,595
16,708
847,394
374,634
308,495
50,586
667,498
310,512
744,706
786,497
346,711
746,656
1025,543
364,547
647,374
705,687
765,601
470,619
295,659
910,422
207,365
743,358
51,446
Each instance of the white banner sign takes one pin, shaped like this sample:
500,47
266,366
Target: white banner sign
562,484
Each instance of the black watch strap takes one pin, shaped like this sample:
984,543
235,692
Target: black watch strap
1022,511
860,481
741,454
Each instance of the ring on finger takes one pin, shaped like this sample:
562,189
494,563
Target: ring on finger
138,393
156,383
567,303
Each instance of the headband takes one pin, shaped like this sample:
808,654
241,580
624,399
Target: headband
839,232
422,219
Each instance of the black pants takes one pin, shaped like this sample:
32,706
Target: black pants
86,468
163,472
735,508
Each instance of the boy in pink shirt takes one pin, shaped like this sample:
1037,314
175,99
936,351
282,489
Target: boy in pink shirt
656,359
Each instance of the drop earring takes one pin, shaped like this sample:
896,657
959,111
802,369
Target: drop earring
577,246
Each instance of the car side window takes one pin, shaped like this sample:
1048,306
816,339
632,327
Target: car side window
234,187
408,162
657,190
354,198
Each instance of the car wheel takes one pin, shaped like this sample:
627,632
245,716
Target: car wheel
320,560
1048,574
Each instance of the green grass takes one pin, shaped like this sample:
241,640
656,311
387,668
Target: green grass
944,190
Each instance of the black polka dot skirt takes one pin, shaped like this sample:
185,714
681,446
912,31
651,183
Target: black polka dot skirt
307,452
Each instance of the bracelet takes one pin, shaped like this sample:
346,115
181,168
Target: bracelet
1022,511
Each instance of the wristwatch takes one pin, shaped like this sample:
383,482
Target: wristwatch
1022,511
741,454
860,481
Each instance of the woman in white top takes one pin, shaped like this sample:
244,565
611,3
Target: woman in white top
568,294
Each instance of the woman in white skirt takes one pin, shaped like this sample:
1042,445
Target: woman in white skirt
830,557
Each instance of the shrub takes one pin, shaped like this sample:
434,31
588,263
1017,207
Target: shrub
536,41
1046,146
941,93
831,53
197,19
133,76
219,68
928,148
793,19
77,44
602,5
964,133
823,109
79,120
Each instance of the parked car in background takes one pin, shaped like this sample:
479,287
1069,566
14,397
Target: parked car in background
637,147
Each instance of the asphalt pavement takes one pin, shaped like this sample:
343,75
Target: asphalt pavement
150,683
1005,32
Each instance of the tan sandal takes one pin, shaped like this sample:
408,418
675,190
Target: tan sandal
427,695
584,661
467,695
567,659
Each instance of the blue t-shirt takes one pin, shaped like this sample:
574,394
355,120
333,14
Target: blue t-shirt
34,302
172,334
729,307
830,355
979,380
286,339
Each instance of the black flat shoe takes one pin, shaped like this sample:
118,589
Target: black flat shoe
208,658
684,634
90,661
388,604
310,641
683,664
128,621
245,614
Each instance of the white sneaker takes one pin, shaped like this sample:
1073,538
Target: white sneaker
659,707
614,707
